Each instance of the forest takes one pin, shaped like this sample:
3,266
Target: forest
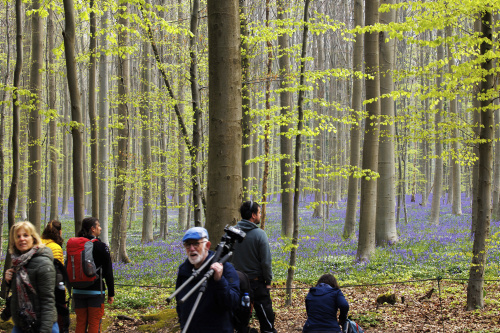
367,131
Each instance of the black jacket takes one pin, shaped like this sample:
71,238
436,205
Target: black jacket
102,259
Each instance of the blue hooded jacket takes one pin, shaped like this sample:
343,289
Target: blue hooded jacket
322,303
214,312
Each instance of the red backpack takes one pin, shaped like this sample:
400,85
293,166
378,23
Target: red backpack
80,264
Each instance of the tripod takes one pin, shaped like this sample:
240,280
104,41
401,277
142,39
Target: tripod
224,250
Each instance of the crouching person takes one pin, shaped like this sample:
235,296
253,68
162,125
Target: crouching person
213,314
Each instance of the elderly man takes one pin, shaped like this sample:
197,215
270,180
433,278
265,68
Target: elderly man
213,314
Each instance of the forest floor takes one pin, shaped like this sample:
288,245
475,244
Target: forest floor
412,312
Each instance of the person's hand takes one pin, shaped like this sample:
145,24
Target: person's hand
218,268
268,286
110,300
9,274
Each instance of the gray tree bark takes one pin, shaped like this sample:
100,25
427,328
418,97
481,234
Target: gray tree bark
385,232
120,201
286,143
94,162
368,200
224,153
103,132
147,184
54,183
438,165
76,114
35,121
479,250
355,133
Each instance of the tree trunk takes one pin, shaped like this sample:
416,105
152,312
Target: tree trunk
438,166
298,143
355,134
245,105
479,250
318,138
386,233
54,183
286,143
368,200
267,129
120,204
94,162
147,184
11,208
35,121
103,132
183,222
224,153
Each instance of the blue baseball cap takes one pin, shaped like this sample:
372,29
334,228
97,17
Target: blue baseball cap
195,233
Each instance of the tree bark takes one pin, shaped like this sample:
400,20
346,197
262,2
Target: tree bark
54,181
438,165
103,149
120,202
35,121
368,200
94,154
286,143
245,105
224,153
11,206
318,138
298,144
355,133
147,184
386,233
479,250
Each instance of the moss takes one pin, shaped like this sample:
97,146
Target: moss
161,320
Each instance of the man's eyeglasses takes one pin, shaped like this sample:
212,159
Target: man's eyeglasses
194,244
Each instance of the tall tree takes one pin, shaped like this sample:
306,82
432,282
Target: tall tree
120,201
35,121
385,232
76,114
147,182
475,293
224,152
246,150
54,183
194,150
94,166
456,207
11,206
286,143
438,165
103,131
298,146
355,133
368,200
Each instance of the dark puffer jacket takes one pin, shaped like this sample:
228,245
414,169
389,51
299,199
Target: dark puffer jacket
322,303
42,276
214,313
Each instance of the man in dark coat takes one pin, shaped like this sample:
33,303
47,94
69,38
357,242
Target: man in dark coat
253,257
214,312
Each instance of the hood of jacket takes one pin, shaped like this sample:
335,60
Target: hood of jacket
246,225
323,289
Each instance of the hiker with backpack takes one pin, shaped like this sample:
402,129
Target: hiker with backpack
322,304
52,238
31,279
213,312
253,257
86,278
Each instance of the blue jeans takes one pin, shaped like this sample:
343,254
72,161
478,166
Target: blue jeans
55,329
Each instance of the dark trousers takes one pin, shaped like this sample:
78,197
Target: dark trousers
263,306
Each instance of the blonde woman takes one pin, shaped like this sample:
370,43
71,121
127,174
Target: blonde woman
32,279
